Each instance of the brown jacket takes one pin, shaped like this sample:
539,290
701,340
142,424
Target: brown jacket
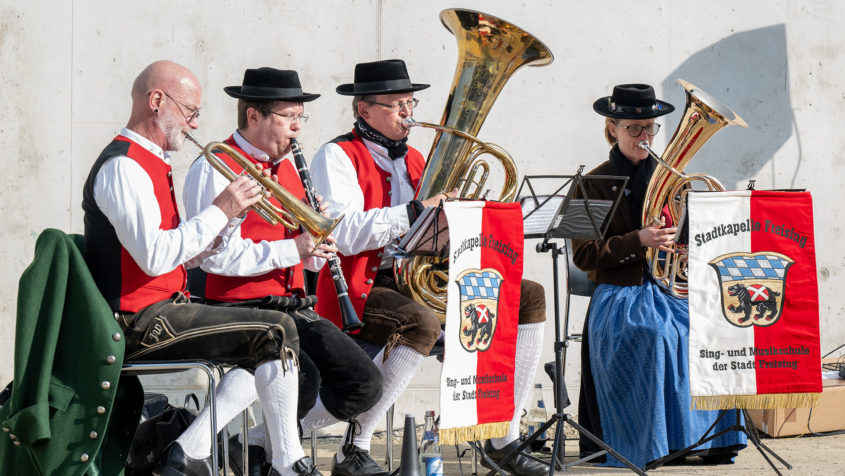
619,258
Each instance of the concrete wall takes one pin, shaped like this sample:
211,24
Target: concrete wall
66,70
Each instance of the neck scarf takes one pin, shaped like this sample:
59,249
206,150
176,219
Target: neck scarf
396,149
638,177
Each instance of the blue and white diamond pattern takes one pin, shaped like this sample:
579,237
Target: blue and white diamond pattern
759,266
483,285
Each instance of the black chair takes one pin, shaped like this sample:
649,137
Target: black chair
578,285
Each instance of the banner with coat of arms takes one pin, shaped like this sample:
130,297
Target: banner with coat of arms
482,313
753,301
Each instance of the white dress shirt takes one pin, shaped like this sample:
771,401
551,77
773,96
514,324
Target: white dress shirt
335,178
238,256
124,193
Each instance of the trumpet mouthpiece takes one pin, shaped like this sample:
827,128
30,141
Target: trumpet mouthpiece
193,139
409,122
643,145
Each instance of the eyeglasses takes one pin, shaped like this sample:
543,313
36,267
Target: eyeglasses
635,131
399,105
291,118
194,113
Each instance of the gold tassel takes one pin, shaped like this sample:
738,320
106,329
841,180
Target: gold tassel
451,436
755,402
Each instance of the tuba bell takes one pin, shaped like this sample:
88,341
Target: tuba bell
489,51
703,117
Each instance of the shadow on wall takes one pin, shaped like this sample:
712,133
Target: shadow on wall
747,72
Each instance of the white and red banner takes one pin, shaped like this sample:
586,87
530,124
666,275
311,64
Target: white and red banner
753,300
482,312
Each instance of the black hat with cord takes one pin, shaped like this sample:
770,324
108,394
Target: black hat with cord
380,77
270,84
632,101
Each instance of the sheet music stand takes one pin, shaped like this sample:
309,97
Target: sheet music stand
571,217
428,236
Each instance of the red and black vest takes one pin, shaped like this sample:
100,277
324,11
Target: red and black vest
360,270
279,282
124,285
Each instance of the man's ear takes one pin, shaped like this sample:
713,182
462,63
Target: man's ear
155,98
364,110
252,116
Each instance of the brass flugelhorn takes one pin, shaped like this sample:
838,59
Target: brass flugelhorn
703,117
295,213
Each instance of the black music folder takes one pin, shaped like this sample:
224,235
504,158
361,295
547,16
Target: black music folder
428,236
561,215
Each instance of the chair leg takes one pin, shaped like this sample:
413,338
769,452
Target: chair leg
314,446
224,438
389,419
474,460
245,445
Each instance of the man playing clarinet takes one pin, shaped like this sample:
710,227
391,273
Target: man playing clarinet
261,265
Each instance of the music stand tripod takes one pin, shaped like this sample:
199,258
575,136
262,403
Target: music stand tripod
577,218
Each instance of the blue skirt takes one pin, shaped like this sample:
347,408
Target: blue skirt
639,339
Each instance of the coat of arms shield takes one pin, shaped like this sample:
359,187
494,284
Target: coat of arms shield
479,290
752,286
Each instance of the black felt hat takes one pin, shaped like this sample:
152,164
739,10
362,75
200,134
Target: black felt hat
270,84
380,77
632,101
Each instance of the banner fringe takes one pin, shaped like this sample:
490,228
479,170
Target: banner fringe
755,402
451,436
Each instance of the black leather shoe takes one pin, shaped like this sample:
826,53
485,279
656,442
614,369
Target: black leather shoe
303,466
356,462
174,462
258,465
519,465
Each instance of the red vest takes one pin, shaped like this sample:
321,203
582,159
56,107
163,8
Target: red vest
279,282
360,270
124,285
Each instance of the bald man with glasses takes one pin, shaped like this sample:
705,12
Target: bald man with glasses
138,249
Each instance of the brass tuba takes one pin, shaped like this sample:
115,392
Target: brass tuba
295,213
703,117
489,51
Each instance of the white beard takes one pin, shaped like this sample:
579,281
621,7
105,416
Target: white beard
172,131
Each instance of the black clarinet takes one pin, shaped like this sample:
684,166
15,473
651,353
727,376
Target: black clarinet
350,317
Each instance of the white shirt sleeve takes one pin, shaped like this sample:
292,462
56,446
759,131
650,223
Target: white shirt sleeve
336,180
236,256
124,192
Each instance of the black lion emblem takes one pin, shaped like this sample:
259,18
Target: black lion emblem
481,324
753,295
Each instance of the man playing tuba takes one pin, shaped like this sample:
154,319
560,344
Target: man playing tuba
370,175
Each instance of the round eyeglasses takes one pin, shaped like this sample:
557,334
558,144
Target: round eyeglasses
291,118
635,131
193,113
396,107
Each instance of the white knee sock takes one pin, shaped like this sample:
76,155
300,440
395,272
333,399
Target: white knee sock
278,389
235,392
256,436
529,344
397,372
317,417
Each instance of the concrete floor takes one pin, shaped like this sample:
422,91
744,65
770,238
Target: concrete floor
816,455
